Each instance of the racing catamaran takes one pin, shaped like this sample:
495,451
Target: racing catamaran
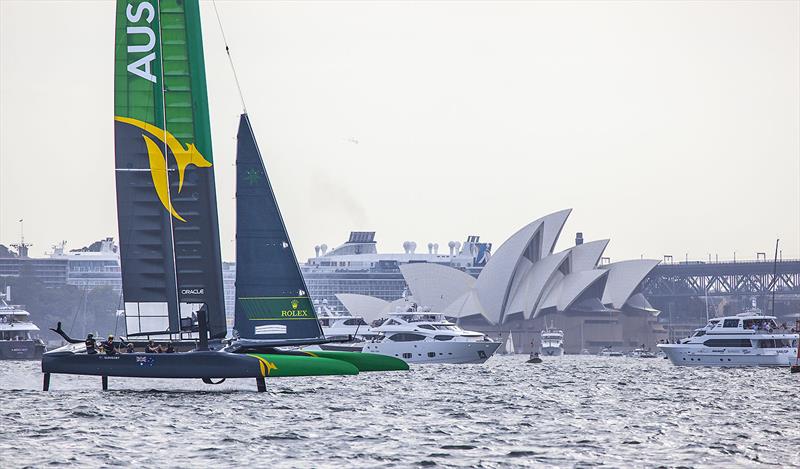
169,233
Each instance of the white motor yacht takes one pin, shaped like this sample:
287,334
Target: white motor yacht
747,339
552,342
422,337
19,337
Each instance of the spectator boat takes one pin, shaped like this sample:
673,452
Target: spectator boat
747,339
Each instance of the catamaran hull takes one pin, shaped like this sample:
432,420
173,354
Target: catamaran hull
213,364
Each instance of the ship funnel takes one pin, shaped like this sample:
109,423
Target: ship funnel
316,250
430,248
452,246
458,247
406,246
436,248
323,248
412,246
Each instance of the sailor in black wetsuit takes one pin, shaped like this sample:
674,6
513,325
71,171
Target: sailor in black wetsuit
91,344
108,346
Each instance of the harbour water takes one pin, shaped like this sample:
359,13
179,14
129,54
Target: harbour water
574,411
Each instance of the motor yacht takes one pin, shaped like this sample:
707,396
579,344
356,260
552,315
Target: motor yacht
19,337
426,337
746,339
552,342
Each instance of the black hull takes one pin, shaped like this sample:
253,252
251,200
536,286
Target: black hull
154,365
21,350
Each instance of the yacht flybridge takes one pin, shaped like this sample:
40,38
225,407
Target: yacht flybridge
747,339
169,233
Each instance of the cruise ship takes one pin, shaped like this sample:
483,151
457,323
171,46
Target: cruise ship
747,339
357,267
19,337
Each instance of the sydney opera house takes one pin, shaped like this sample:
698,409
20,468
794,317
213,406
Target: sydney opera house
525,286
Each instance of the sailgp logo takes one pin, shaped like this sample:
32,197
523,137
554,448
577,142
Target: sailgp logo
184,156
142,66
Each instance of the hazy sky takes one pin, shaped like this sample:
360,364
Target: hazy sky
671,127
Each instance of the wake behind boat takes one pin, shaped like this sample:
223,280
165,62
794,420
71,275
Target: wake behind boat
169,234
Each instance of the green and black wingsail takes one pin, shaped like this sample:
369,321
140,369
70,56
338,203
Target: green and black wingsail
272,301
166,199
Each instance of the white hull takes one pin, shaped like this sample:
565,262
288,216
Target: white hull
435,352
699,355
552,351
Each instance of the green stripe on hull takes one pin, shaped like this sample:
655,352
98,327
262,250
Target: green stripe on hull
274,366
364,361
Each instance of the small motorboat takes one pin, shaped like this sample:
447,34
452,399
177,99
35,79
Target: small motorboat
535,358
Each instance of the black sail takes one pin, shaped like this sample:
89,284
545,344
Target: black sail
272,301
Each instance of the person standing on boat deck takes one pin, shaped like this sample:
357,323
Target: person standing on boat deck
108,345
129,348
91,344
170,348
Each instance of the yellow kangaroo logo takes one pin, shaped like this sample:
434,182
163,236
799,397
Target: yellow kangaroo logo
184,156
266,365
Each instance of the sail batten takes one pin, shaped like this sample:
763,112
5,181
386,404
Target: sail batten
272,301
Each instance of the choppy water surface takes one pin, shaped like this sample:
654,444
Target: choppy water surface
569,411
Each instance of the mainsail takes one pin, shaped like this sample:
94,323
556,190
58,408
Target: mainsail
166,198
272,301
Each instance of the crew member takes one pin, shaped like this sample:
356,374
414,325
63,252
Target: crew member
170,348
129,348
108,345
91,344
151,347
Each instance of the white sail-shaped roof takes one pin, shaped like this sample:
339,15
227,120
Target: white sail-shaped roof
575,284
535,282
534,241
435,285
586,256
639,302
623,278
368,307
466,305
